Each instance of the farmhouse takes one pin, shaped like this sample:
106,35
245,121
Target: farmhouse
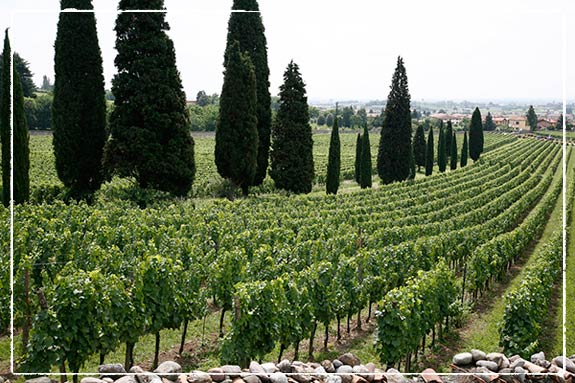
518,123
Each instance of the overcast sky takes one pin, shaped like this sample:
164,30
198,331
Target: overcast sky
485,50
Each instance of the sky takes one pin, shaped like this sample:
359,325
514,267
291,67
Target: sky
489,50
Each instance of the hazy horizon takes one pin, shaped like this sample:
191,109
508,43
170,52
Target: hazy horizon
477,51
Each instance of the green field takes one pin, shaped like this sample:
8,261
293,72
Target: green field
283,267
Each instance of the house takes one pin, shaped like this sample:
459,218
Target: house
518,123
544,123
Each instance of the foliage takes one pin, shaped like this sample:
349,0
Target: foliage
409,312
334,160
22,67
202,99
429,154
39,112
489,124
393,159
419,146
292,143
448,135
441,151
203,118
531,118
365,162
248,30
453,164
236,149
464,151
475,135
149,126
79,105
21,153
358,144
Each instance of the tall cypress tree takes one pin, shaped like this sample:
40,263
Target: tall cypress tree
249,31
292,139
237,130
429,154
464,151
475,135
149,125
448,136
334,159
21,154
531,118
79,106
393,158
453,152
441,152
419,147
365,163
358,144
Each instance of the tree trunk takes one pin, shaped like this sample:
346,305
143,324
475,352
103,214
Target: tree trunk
359,320
447,323
28,315
369,312
423,345
325,339
183,337
338,328
310,352
348,322
102,358
433,335
156,351
245,189
282,348
204,329
75,376
129,356
463,284
296,352
222,322
63,377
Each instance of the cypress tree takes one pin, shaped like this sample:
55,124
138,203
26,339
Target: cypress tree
419,147
476,135
334,159
79,106
393,158
429,154
21,154
150,138
448,136
441,152
358,146
453,152
489,124
531,118
237,129
365,163
464,151
249,31
292,139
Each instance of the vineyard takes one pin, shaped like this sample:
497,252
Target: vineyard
408,255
